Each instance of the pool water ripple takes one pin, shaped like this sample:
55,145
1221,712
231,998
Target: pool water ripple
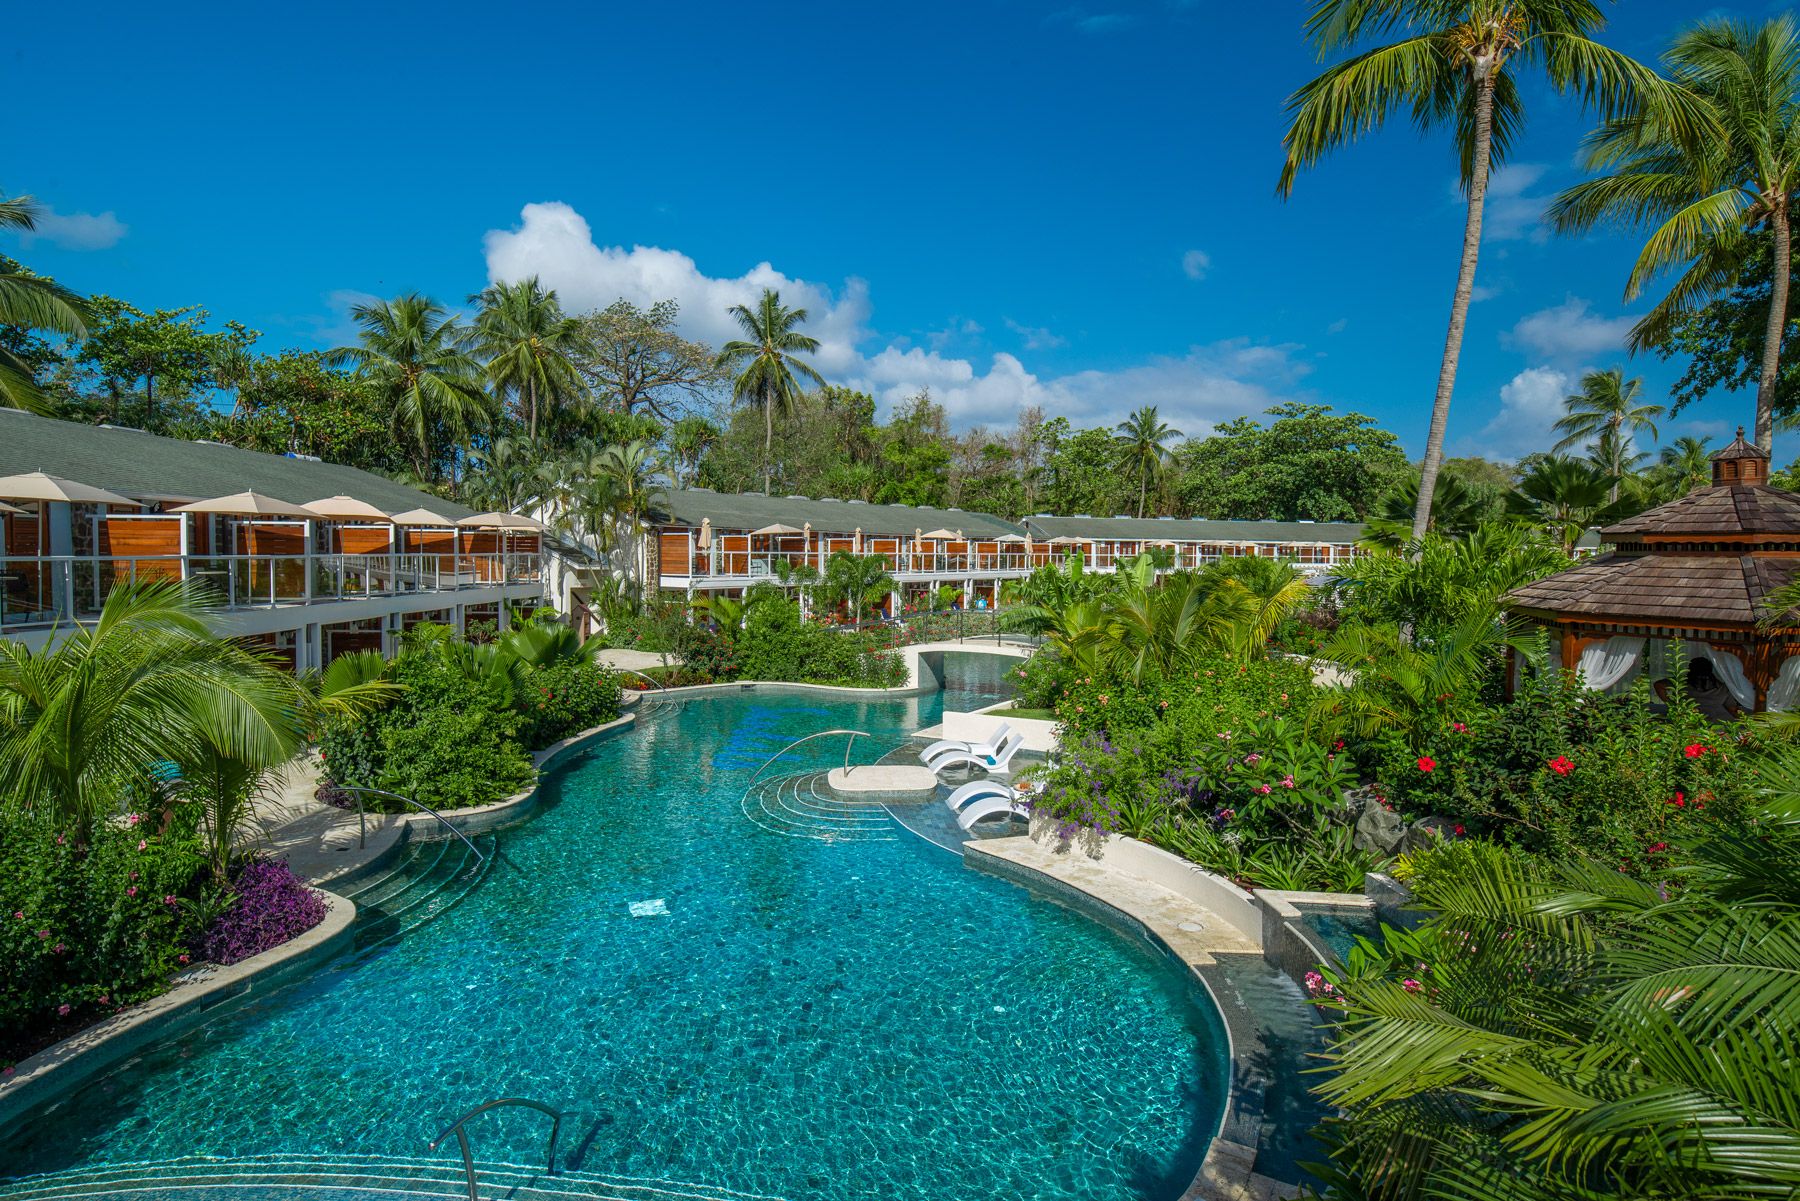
809,1019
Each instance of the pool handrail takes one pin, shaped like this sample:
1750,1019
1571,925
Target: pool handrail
632,671
854,735
462,1136
441,819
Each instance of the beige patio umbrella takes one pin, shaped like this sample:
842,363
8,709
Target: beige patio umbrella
6,508
502,521
1012,538
776,529
944,535
346,508
1066,540
35,485
423,516
248,504
706,533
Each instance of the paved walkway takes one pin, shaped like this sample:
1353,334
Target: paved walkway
319,841
615,656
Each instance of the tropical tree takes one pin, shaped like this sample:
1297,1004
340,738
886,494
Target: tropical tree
1704,196
1429,590
1607,411
689,440
1565,497
1142,449
1686,464
85,722
416,356
1567,1032
530,346
30,302
1397,682
1454,63
1456,510
858,581
764,364
1268,589
506,475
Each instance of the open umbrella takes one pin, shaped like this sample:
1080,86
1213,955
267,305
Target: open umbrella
777,529
346,508
501,521
1066,540
6,508
944,535
247,504
35,485
423,516
1012,538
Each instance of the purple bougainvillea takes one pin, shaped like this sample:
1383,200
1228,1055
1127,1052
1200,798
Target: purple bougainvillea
271,906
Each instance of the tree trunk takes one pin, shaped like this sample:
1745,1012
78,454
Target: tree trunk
1143,490
531,411
1778,303
768,445
150,401
1465,288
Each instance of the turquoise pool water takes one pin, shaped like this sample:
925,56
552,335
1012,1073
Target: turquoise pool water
810,1020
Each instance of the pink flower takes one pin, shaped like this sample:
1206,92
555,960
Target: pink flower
168,898
1411,985
133,818
1251,758
1314,983
1225,735
1459,727
181,958
59,948
132,891
143,844
43,934
1264,789
19,914
62,1011
1287,781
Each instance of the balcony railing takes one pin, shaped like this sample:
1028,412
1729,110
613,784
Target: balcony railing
764,565
41,589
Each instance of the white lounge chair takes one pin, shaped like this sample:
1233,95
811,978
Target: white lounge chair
993,762
991,806
985,746
976,790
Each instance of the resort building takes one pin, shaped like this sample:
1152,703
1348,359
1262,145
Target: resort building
314,559
708,542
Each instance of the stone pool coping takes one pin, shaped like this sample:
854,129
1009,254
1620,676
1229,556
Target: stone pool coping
64,1066
1194,916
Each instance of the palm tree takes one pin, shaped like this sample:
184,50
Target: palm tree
1566,1031
33,303
689,440
84,722
1456,510
859,581
1272,588
1141,450
1565,497
507,475
531,347
416,355
1704,196
1606,412
1396,682
1687,464
1454,64
765,366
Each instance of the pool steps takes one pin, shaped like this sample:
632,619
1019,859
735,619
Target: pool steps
352,1176
426,882
803,806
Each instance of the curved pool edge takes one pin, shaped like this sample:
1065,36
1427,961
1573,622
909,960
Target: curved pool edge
1228,1170
195,994
65,1066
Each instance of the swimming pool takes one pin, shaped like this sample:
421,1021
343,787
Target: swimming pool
808,1019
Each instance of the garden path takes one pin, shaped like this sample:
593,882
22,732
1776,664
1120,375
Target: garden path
318,840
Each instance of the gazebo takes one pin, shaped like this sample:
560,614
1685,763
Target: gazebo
1697,569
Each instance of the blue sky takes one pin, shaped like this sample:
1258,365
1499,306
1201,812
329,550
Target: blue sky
1007,202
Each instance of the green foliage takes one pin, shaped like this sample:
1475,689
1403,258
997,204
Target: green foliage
1561,771
1434,588
1308,463
765,365
30,306
168,350
775,644
294,402
92,917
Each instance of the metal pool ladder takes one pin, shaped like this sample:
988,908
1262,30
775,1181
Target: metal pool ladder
462,1136
854,735
362,817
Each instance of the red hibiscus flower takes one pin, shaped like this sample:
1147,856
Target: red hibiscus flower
1562,765
1427,763
1694,750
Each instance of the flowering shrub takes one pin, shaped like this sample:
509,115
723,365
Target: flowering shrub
1222,695
560,699
1563,771
90,920
269,906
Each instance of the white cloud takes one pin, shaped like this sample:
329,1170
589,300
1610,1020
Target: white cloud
1513,209
1208,384
1569,331
1529,404
1194,264
1338,326
1036,337
76,231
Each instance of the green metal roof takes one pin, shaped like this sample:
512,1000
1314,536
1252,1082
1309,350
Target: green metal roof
1186,529
151,467
753,510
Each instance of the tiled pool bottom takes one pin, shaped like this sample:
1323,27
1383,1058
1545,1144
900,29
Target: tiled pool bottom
807,1020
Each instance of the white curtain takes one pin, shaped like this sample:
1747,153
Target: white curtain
1786,688
1607,664
1730,670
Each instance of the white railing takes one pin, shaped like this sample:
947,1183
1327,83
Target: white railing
42,589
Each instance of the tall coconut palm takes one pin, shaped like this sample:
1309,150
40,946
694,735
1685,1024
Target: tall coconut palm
530,346
1142,450
417,356
1454,63
1686,463
30,302
1704,196
1607,412
764,365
